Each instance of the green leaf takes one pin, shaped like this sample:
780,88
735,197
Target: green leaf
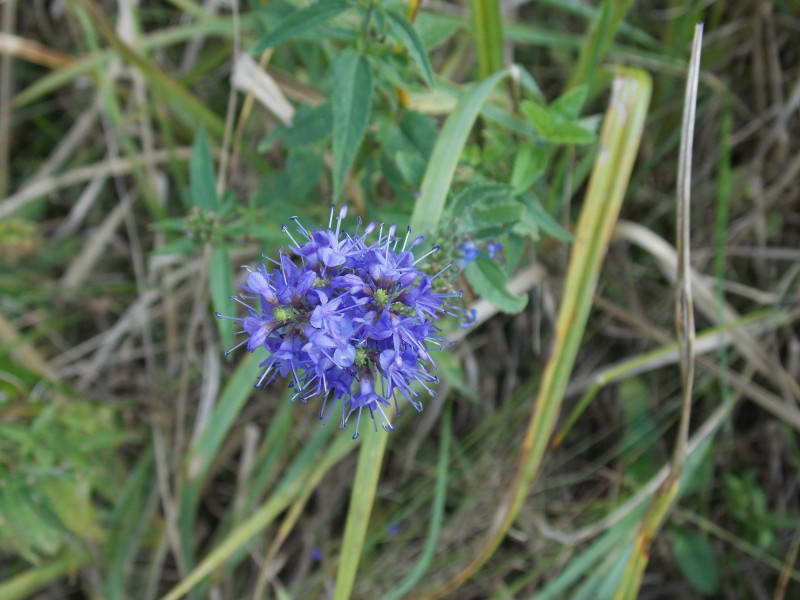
504,211
553,127
405,33
696,560
446,153
352,100
301,21
220,280
476,193
489,282
180,246
202,186
570,103
529,165
536,212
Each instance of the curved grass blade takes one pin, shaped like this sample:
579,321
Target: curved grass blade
444,158
619,142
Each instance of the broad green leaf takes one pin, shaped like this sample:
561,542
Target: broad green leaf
202,185
300,22
407,35
695,557
220,280
570,103
352,100
529,165
489,282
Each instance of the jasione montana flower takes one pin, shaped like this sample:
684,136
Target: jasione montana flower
349,319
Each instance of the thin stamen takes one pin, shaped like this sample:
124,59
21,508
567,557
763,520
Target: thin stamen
239,345
427,254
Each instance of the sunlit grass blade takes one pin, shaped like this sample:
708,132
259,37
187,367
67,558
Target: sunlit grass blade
365,484
619,142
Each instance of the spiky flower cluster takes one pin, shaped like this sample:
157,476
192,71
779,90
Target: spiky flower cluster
351,323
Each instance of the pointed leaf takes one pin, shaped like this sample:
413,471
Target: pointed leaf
569,105
696,559
220,280
201,171
489,282
407,35
300,22
352,100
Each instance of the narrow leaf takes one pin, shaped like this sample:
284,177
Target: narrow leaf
201,170
300,22
352,100
407,35
220,281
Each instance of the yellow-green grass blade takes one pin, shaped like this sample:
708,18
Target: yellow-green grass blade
487,27
31,581
619,142
370,460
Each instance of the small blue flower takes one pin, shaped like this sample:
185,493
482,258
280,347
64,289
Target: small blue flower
469,252
347,320
493,249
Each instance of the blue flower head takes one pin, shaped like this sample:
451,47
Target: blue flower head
348,319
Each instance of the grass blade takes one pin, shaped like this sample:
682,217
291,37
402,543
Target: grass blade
444,158
370,460
487,25
622,130
628,587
